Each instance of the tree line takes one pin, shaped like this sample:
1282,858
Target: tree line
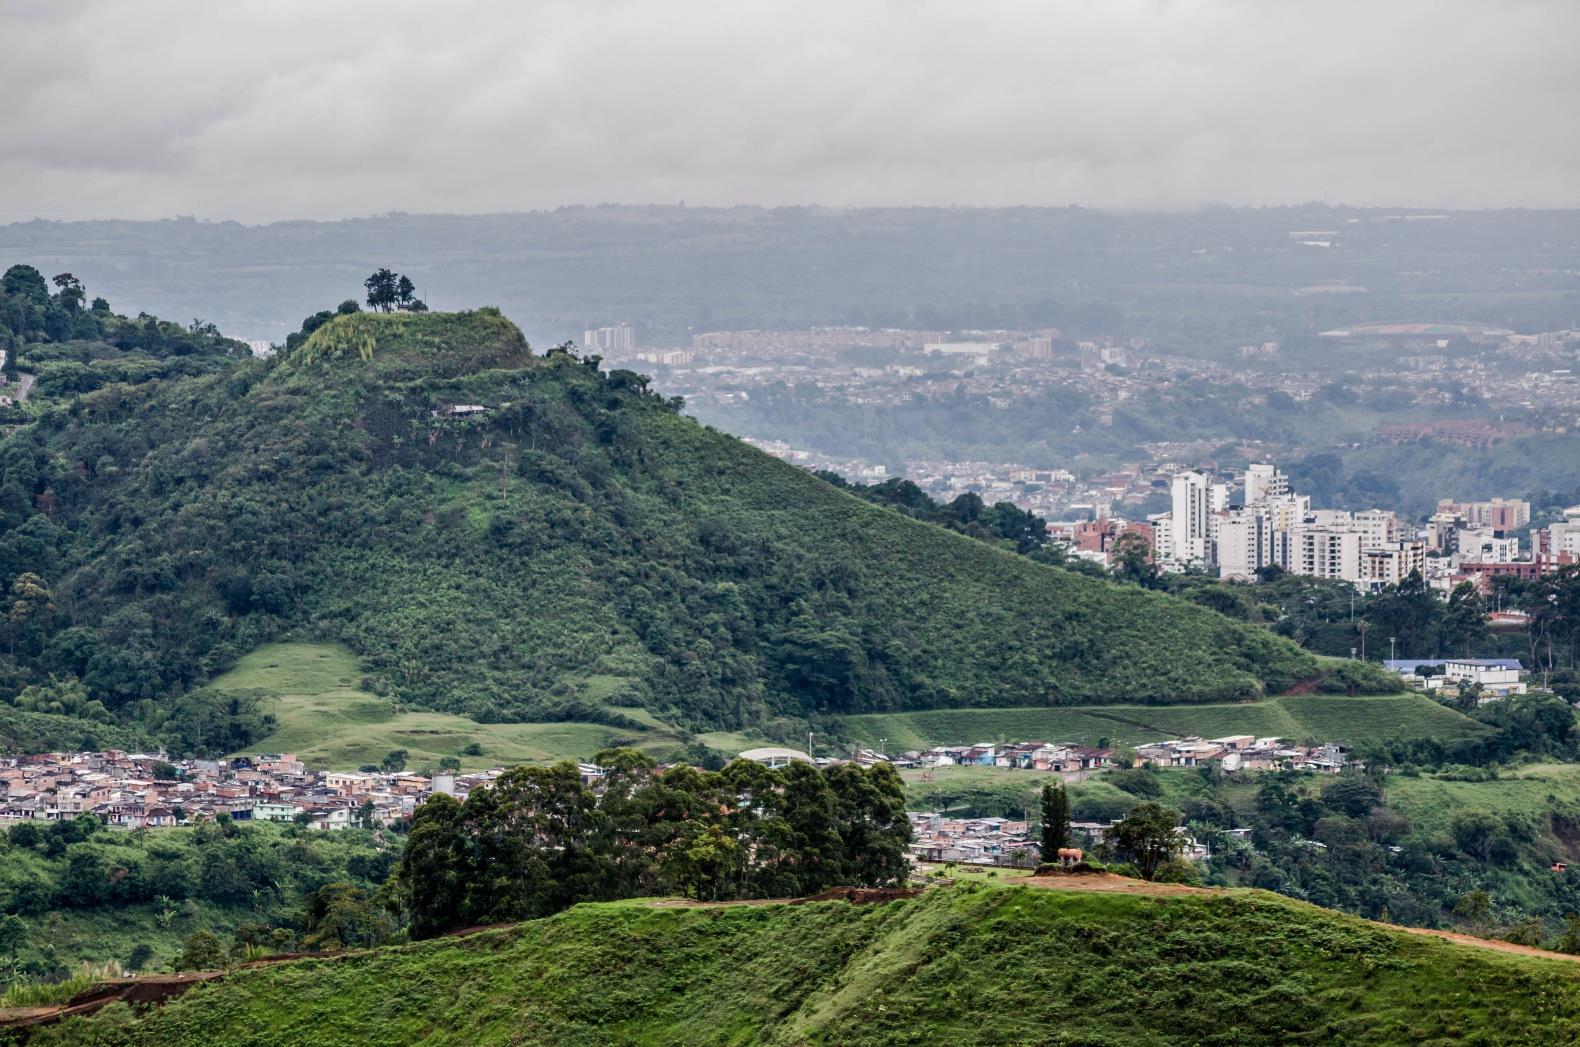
540,840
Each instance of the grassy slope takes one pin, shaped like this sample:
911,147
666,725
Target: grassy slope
327,719
959,604
969,964
1355,721
1430,803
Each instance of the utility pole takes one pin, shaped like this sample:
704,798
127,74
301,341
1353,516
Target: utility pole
1391,648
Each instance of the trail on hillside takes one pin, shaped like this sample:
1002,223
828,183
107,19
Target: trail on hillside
1113,884
1124,885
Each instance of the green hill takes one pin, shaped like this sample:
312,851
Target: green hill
511,537
967,964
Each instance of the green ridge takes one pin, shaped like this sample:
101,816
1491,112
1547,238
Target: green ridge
967,964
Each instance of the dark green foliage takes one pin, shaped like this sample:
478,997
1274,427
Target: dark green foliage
573,548
1147,837
967,514
204,952
344,916
139,957
73,350
1055,810
539,841
208,723
13,935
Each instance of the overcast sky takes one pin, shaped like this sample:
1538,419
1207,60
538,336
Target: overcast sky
329,108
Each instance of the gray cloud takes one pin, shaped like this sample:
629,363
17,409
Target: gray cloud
272,109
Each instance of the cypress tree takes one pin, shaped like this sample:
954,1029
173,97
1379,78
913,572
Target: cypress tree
1055,820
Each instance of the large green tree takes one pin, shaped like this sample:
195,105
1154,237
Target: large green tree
1148,837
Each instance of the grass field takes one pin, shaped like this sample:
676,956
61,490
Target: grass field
1430,803
1353,721
328,720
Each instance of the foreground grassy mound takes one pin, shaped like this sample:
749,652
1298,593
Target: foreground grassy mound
1355,721
967,964
510,537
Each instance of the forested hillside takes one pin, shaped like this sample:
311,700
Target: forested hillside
512,536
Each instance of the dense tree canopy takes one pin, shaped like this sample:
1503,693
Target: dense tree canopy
539,840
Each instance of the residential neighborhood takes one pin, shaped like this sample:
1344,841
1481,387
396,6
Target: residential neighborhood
145,791
1238,752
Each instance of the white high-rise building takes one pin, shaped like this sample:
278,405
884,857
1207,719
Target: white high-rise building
618,338
1264,481
1245,542
1162,535
1391,564
1565,537
1378,527
1325,552
1484,545
1197,500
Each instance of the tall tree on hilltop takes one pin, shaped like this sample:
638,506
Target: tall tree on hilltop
1055,820
383,290
1148,837
72,295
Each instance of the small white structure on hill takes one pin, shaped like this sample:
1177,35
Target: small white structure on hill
775,756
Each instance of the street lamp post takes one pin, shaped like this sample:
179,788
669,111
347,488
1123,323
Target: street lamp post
1391,651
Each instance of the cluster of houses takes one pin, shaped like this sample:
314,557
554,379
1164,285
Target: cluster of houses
1001,841
145,790
1235,752
1244,752
1057,757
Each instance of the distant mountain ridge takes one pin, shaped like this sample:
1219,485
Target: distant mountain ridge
515,536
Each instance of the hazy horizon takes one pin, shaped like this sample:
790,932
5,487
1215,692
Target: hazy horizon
260,112
1137,211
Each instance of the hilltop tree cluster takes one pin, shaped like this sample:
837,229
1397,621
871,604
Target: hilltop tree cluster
539,840
390,291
